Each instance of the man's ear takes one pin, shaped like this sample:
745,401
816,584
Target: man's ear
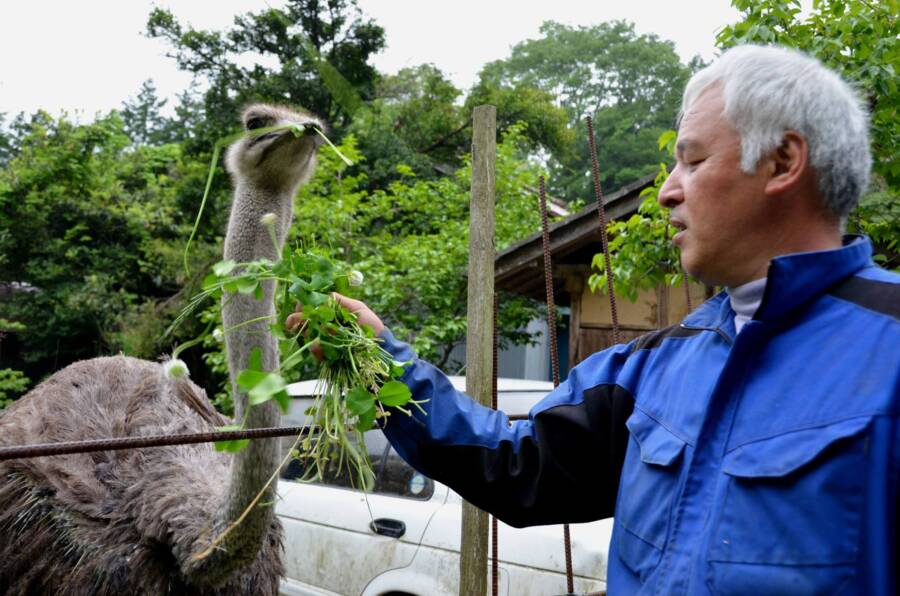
789,163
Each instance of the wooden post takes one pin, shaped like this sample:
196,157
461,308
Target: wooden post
473,556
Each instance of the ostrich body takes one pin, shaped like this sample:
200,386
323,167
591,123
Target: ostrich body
133,522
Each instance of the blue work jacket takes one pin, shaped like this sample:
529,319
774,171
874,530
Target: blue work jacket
765,462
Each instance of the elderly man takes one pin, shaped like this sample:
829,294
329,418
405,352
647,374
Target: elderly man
754,447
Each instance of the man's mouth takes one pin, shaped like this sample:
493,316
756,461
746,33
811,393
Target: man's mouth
680,228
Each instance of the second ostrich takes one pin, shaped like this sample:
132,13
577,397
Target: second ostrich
134,522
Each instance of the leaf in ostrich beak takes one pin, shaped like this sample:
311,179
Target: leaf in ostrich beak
343,157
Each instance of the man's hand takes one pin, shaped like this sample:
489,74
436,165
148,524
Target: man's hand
364,314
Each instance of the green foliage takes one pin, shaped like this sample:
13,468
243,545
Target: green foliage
143,122
13,383
84,221
630,84
641,252
321,49
410,240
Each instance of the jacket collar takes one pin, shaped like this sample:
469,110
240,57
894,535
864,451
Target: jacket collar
796,278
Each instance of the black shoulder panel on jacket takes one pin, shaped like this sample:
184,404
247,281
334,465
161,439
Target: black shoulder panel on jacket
566,472
654,338
879,296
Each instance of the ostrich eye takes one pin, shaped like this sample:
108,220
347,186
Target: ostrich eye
255,122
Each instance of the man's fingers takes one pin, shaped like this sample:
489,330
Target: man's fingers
294,321
349,303
364,314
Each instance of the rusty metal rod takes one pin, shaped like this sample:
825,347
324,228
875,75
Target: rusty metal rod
601,211
119,443
554,349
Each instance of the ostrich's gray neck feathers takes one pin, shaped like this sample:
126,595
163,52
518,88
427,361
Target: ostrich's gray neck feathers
248,239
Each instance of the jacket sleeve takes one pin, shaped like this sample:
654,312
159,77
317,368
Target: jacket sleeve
560,465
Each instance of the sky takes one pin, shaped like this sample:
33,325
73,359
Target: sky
89,56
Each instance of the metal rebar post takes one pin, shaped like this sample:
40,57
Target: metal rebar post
601,211
554,349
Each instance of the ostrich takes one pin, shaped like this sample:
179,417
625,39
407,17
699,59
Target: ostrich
133,522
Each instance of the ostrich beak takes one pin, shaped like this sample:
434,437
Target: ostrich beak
310,129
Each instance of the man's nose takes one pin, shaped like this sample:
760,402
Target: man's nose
671,193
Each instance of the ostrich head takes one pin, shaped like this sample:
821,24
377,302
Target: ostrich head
275,160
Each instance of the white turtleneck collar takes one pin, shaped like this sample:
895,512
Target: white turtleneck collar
745,300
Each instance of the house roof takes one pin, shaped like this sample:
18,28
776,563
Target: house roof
573,243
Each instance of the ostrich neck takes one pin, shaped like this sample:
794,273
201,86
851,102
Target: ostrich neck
247,240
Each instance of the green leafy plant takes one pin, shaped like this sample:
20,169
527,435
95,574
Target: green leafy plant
640,247
12,384
357,375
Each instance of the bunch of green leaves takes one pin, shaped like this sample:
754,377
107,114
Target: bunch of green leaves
357,374
641,252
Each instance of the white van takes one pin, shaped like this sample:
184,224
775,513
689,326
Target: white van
402,539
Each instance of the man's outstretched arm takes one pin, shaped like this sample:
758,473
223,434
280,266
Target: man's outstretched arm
560,465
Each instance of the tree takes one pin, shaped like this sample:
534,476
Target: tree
143,122
630,84
410,240
89,226
413,120
416,119
6,141
322,50
857,38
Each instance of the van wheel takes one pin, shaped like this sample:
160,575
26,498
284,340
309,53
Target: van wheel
398,594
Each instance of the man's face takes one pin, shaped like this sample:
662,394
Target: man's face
719,210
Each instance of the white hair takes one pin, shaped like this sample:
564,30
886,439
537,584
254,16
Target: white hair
770,90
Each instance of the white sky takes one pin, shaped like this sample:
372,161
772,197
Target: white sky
90,55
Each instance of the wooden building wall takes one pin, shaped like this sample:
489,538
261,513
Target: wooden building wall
653,309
